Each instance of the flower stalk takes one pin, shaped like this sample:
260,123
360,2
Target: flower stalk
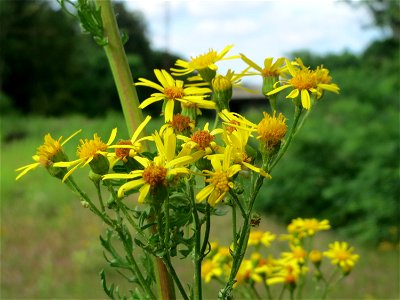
119,67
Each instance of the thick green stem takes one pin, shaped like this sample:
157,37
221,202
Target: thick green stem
119,67
129,101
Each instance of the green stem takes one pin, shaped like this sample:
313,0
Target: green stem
297,113
175,277
207,231
119,67
239,252
167,225
234,230
198,254
282,291
269,295
93,207
135,268
97,184
328,283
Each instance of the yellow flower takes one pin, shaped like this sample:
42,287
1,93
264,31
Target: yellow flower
180,124
259,237
342,255
202,139
307,227
204,61
157,172
46,155
315,257
324,81
172,90
270,69
271,130
222,256
289,273
90,151
209,270
220,179
246,272
236,133
298,254
132,147
303,83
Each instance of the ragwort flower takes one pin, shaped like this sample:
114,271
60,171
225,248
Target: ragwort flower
172,90
304,83
158,172
307,227
93,152
46,155
271,130
258,237
205,64
220,180
341,254
132,147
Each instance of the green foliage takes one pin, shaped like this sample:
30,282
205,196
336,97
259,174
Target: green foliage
49,68
344,164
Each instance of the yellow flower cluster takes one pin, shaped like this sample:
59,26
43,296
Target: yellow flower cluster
201,166
290,266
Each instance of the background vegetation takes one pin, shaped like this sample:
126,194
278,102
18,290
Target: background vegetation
344,165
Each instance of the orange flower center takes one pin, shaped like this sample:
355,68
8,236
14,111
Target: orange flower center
231,129
155,175
203,138
173,92
180,123
123,152
304,80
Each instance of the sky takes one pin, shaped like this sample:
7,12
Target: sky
258,29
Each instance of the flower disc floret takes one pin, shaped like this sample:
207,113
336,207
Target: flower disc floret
89,148
122,153
203,138
174,92
271,129
304,79
220,180
155,175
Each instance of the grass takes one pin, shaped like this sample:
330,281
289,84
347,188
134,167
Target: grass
49,242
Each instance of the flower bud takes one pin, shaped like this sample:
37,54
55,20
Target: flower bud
222,92
99,164
315,257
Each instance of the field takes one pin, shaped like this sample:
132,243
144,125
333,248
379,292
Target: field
49,242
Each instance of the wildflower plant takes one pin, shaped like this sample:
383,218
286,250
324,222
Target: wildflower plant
165,187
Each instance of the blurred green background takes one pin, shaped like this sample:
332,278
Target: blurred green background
343,166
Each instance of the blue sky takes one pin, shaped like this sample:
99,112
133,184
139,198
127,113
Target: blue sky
258,29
